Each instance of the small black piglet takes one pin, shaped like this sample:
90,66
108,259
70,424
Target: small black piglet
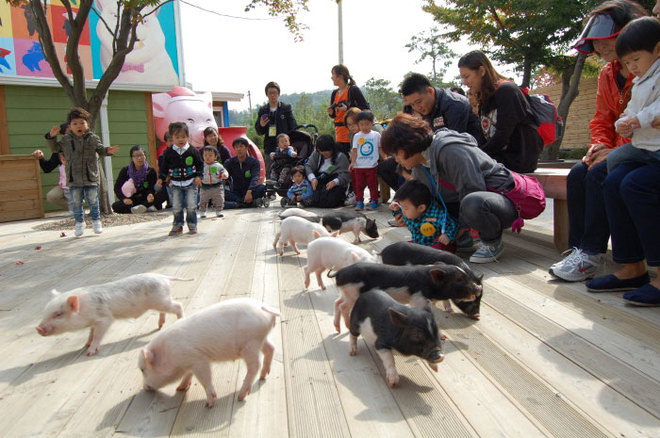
388,325
408,253
344,222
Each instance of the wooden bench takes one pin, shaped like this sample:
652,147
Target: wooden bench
554,183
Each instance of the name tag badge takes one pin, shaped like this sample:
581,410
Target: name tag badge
272,131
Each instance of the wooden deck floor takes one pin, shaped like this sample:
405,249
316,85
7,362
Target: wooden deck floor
546,358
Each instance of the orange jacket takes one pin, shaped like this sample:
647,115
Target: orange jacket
610,103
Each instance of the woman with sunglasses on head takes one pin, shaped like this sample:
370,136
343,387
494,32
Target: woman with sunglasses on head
588,227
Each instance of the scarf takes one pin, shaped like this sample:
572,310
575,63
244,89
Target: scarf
139,176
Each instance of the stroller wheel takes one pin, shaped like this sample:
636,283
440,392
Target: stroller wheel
266,201
284,202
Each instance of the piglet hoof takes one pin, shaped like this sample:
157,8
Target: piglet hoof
392,378
433,366
323,287
443,336
337,327
243,394
210,400
475,316
92,351
446,304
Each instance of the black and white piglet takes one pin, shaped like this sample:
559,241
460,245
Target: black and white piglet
408,253
407,284
389,326
350,221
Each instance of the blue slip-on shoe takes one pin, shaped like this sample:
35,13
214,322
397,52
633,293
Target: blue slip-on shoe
359,206
373,205
610,283
647,295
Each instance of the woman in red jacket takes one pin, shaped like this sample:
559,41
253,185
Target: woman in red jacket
588,227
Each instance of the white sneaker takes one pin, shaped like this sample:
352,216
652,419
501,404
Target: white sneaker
202,215
350,200
139,209
577,266
487,253
80,228
98,228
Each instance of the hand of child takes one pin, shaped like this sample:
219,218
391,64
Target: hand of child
159,184
444,239
394,206
198,182
112,149
54,131
351,166
38,154
656,122
127,201
627,127
272,155
150,198
294,154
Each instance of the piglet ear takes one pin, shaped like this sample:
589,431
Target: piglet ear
437,275
148,357
399,317
54,293
316,234
335,234
73,303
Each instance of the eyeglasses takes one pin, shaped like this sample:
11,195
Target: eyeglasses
138,156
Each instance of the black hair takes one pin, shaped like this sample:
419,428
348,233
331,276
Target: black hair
78,113
137,147
240,140
416,192
213,149
365,115
166,137
325,142
178,127
641,34
408,133
272,84
458,90
414,83
297,169
342,70
208,131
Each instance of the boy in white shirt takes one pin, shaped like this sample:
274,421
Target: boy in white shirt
365,153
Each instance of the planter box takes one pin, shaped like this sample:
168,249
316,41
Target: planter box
20,188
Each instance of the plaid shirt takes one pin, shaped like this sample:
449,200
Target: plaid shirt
427,228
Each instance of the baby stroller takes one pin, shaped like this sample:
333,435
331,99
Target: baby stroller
303,138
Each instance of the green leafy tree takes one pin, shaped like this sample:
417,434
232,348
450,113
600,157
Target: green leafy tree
384,101
431,46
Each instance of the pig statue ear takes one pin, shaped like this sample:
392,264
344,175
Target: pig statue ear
148,357
73,303
399,318
437,275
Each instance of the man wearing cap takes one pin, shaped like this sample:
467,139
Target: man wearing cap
588,227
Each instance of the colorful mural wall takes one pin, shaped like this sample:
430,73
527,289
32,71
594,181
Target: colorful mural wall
153,61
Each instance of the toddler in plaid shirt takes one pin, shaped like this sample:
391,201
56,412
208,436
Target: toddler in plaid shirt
429,223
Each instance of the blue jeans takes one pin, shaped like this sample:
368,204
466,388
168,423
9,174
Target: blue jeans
588,226
184,197
629,153
632,200
91,195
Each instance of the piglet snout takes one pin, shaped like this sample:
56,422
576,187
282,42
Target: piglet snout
41,330
147,388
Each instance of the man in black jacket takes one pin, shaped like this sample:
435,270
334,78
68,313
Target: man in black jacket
273,118
439,107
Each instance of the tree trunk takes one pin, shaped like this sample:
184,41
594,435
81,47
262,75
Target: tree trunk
569,91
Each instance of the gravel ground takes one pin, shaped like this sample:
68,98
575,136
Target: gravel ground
108,220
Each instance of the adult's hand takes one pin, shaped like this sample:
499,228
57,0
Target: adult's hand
127,201
599,156
315,183
331,185
150,198
263,120
248,197
588,158
656,122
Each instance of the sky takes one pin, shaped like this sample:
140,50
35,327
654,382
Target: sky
237,55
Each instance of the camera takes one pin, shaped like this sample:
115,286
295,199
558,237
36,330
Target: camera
341,102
